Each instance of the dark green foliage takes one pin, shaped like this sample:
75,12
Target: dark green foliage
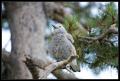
99,54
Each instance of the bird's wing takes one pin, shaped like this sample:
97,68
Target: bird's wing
69,37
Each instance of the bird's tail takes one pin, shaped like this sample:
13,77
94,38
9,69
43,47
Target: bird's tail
74,66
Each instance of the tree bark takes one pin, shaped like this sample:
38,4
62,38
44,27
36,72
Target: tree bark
27,22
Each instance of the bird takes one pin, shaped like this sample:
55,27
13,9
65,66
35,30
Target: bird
61,46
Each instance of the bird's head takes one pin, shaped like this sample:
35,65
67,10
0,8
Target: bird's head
59,27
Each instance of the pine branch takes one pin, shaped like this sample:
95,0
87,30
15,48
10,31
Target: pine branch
112,30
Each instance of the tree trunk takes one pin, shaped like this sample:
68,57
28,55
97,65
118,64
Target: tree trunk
27,22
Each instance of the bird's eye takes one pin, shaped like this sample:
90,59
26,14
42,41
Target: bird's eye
60,26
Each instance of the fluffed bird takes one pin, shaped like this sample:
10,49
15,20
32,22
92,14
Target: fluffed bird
61,46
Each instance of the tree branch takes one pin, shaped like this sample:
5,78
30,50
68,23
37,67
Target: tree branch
63,75
51,67
60,64
57,65
112,30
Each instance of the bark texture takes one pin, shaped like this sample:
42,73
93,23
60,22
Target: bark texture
27,22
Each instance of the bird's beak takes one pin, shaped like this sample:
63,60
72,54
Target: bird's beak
54,26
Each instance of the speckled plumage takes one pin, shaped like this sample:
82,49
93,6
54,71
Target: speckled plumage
61,46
